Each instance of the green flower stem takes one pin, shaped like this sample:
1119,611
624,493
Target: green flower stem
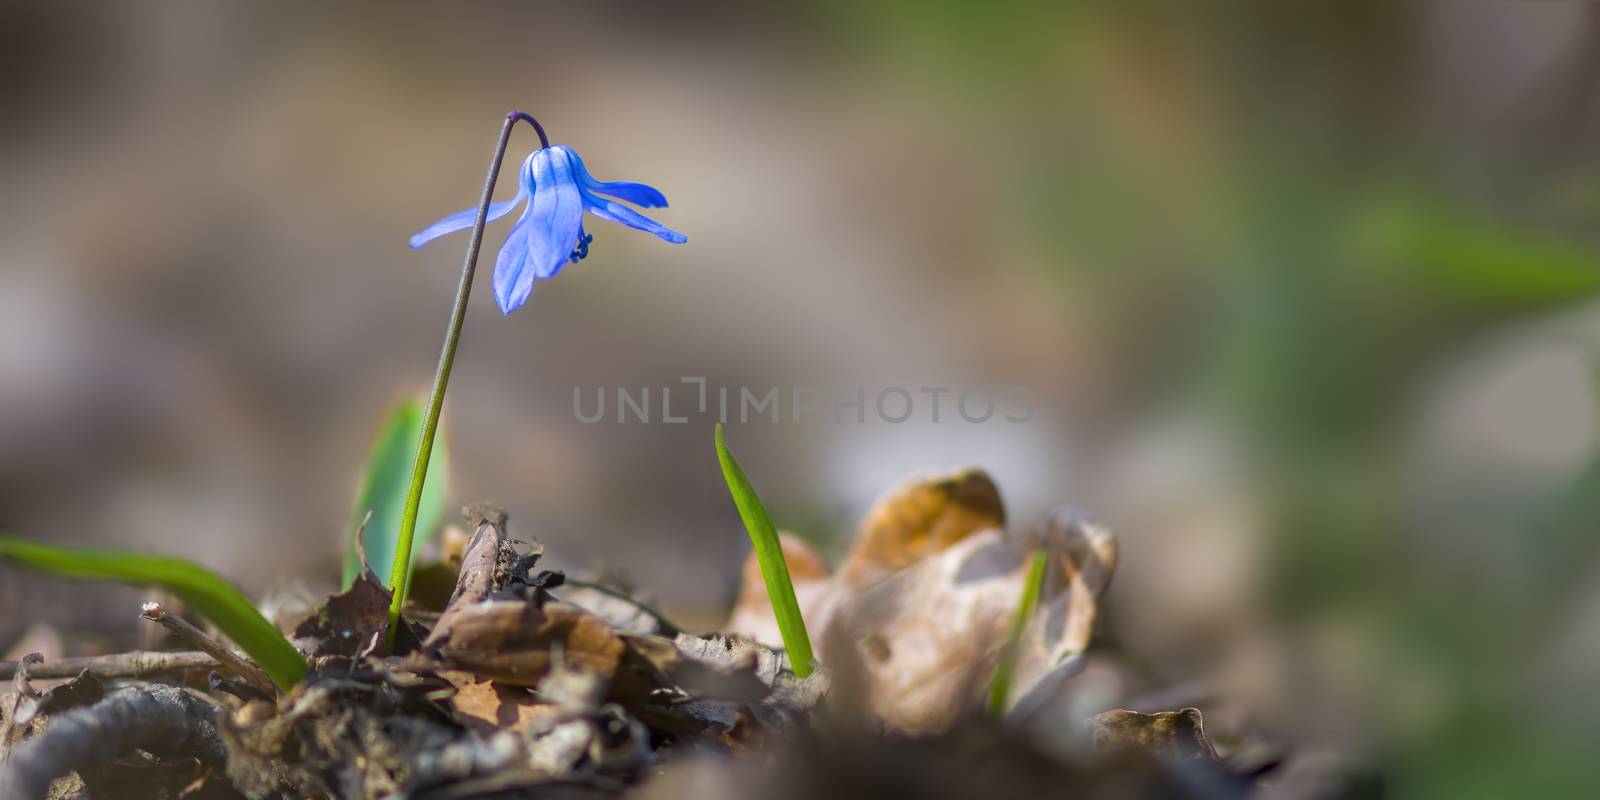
400,574
769,554
1000,686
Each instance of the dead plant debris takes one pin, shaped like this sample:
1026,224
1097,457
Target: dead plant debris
512,683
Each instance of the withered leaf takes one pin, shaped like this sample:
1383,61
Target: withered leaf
486,706
921,517
1171,734
514,641
918,645
348,619
83,690
733,686
927,640
917,616
1083,557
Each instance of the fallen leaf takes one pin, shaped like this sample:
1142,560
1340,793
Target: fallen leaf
919,518
486,706
347,620
920,643
927,639
918,614
1083,557
1171,734
515,641
618,607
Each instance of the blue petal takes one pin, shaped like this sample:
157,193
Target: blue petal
513,278
462,220
546,234
617,212
636,193
556,213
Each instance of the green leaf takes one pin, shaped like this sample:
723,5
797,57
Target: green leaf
1000,685
1482,258
769,553
384,483
198,587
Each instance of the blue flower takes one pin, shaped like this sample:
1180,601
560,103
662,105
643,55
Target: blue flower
550,232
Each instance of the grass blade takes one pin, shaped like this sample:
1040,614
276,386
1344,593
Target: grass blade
1484,260
769,553
1000,685
384,482
198,587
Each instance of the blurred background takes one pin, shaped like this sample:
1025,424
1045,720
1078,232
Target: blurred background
1304,297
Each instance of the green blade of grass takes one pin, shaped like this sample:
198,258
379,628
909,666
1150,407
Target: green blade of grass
1000,685
198,587
384,482
769,553
1483,259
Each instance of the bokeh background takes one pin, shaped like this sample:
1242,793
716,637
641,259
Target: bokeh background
1303,291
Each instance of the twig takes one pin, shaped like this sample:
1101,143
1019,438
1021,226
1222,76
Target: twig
163,720
155,612
137,664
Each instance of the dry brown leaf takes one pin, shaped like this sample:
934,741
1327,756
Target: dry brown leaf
1083,557
514,641
486,706
921,517
479,576
729,684
1171,734
927,639
918,518
347,620
433,583
923,641
918,614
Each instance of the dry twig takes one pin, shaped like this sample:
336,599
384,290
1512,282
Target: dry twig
252,674
138,664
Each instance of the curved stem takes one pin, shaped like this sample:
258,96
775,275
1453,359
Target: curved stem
544,141
400,573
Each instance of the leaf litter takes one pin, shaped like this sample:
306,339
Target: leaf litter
519,685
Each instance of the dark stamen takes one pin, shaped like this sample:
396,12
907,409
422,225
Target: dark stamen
581,252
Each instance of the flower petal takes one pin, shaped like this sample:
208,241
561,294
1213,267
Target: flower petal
617,212
462,220
556,213
513,275
636,193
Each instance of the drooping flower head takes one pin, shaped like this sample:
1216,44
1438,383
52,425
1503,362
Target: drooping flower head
550,233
